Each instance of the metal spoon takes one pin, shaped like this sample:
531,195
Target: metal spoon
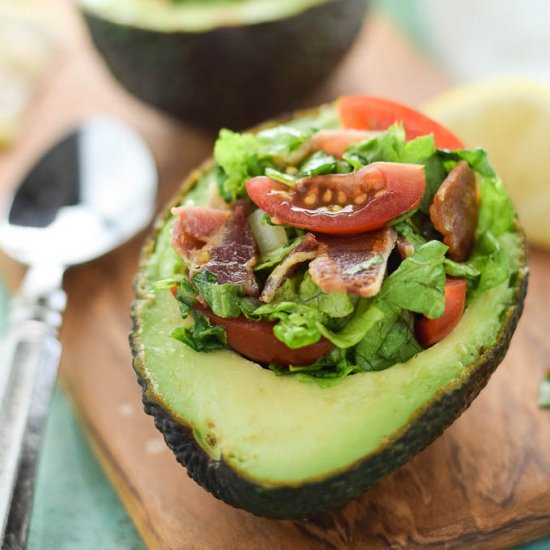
90,193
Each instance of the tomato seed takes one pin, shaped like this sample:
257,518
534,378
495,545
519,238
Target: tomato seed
310,199
327,196
360,198
342,198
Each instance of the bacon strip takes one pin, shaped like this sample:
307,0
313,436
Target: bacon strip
306,250
404,247
454,211
193,226
217,240
232,252
354,264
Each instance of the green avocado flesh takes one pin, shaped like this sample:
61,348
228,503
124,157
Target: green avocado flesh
194,15
280,433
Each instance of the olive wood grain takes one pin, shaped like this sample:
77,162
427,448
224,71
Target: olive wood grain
484,484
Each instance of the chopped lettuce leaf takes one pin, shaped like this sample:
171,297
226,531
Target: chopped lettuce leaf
389,341
364,317
276,256
476,158
334,304
303,310
281,177
435,173
391,146
169,282
224,299
201,336
298,328
317,164
418,284
326,370
497,213
297,323
467,270
185,295
242,156
280,141
408,231
237,157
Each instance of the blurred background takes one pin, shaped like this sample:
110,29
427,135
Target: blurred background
480,67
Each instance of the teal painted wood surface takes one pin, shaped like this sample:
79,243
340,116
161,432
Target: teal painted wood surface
75,507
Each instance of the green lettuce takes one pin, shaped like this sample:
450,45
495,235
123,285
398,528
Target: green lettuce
419,282
224,299
301,308
185,295
242,156
237,158
201,335
389,340
317,164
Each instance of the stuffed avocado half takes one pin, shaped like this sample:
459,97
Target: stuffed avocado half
295,353
222,62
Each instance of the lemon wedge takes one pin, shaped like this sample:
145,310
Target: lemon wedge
511,119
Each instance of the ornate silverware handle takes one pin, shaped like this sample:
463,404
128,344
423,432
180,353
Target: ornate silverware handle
24,409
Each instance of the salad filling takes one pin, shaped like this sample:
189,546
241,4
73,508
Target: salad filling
337,245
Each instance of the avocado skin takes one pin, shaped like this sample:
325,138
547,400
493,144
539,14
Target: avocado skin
230,76
310,499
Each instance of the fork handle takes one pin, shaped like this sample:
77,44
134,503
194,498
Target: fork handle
23,414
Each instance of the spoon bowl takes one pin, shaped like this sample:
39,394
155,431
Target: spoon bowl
93,191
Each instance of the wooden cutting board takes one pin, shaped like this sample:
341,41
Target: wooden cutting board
484,484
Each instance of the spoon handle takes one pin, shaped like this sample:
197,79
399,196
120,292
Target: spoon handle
23,414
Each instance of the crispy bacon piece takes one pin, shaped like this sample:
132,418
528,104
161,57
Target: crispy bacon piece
193,227
404,247
217,240
306,250
354,264
454,211
231,252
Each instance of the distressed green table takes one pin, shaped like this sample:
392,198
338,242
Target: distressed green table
75,507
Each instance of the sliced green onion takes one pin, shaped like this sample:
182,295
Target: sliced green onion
268,237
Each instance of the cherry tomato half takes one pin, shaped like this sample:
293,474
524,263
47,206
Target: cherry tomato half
374,113
430,331
255,340
342,204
